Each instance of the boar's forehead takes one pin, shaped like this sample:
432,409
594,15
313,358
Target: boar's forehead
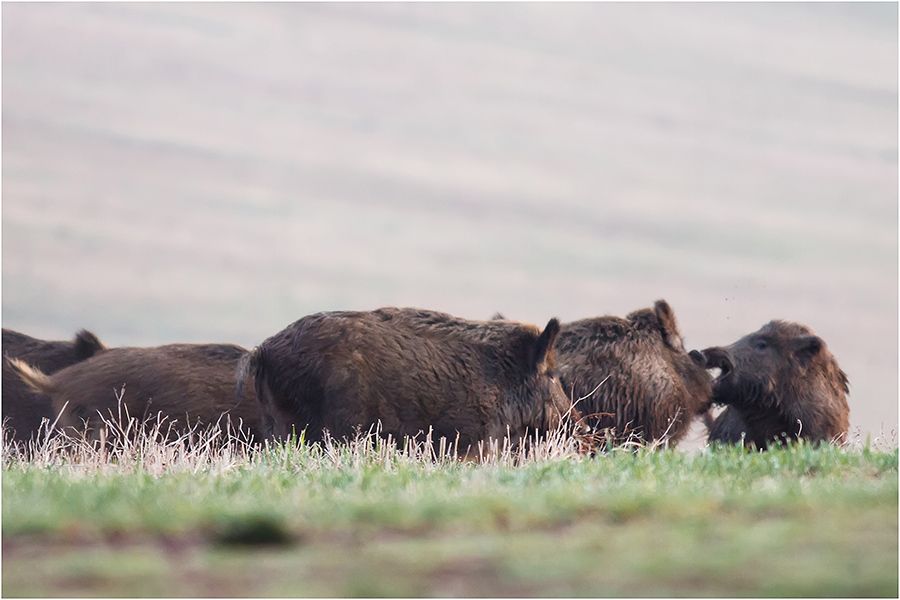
44,354
783,329
17,344
597,331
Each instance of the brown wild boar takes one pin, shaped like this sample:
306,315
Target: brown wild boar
24,409
779,383
188,383
410,370
633,376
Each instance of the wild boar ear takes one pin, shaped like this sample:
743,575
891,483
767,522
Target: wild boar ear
87,344
844,381
807,346
667,324
498,316
544,344
698,357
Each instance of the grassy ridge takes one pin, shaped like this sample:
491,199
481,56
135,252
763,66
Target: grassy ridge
800,521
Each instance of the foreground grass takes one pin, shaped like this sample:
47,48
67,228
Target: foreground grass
797,522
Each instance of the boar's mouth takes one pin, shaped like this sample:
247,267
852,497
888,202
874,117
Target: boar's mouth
718,358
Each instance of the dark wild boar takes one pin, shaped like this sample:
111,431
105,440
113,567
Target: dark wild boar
24,409
633,375
779,383
188,383
410,370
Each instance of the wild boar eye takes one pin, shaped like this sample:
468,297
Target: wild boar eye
760,344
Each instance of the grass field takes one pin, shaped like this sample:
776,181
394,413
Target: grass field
370,520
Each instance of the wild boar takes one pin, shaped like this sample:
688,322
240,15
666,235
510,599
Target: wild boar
779,383
191,384
411,370
24,409
632,377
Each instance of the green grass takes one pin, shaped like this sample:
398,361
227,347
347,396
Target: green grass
802,521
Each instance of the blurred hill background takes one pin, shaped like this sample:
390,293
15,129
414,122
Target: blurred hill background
212,172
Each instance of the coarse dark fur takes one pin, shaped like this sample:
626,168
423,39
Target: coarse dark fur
632,377
24,409
728,427
410,370
781,383
188,383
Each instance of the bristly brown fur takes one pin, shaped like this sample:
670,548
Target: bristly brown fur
188,383
410,370
633,375
784,384
24,409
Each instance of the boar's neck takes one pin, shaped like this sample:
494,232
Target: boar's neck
764,426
